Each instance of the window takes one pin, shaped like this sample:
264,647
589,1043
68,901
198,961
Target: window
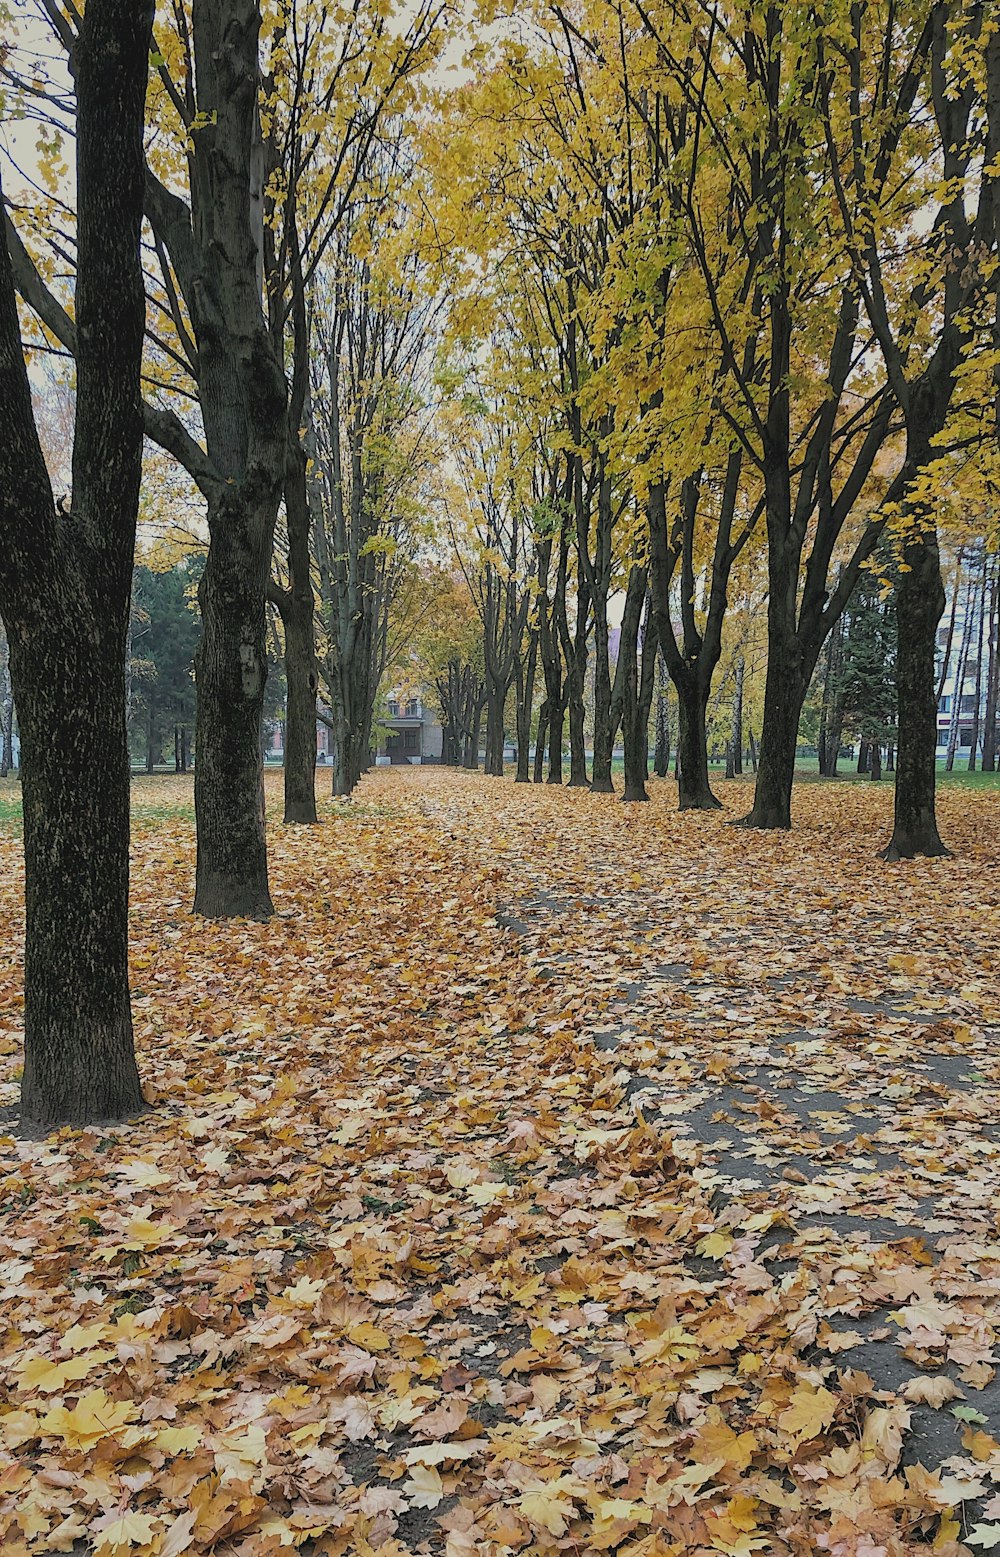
412,740
393,708
413,709
968,703
944,707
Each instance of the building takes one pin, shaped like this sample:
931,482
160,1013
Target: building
963,663
410,730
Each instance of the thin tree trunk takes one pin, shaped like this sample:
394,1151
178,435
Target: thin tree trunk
737,732
661,759
980,622
992,677
540,737
525,692
955,722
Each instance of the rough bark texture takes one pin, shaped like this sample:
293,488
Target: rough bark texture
230,672
919,605
65,593
524,694
694,789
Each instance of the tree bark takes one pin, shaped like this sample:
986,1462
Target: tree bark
525,692
992,678
661,759
538,775
694,788
919,605
784,691
636,689
230,673
980,624
65,593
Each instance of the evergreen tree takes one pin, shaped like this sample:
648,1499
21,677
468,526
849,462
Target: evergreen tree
164,639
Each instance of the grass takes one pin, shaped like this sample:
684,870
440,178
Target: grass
168,797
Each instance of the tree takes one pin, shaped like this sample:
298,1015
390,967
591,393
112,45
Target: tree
164,646
65,585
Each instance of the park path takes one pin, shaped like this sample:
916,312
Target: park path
824,1026
547,1176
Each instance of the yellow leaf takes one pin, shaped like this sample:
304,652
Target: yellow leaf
95,1416
424,1487
369,1336
42,1373
808,1412
127,1530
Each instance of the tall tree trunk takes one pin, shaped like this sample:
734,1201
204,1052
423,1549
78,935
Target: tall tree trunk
695,791
540,737
637,679
919,605
297,603
955,722
736,739
980,623
661,759
495,701
557,717
784,692
230,673
65,587
604,730
525,692
831,715
875,761
302,682
7,735
992,676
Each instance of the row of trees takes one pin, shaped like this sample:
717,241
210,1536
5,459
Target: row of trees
733,269
222,305
718,278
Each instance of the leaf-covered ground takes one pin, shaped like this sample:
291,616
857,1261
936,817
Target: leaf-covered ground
549,1175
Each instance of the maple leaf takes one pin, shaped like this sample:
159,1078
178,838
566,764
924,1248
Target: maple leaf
808,1412
94,1417
119,1532
423,1487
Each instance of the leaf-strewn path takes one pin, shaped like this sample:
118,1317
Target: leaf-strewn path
549,1175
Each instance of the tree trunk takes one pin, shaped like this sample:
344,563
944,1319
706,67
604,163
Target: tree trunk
525,692
737,731
992,679
661,759
495,700
577,740
601,781
302,683
151,732
230,674
864,756
636,689
557,716
540,737
980,623
65,588
919,604
875,761
695,791
784,690
955,722
7,747
79,1056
